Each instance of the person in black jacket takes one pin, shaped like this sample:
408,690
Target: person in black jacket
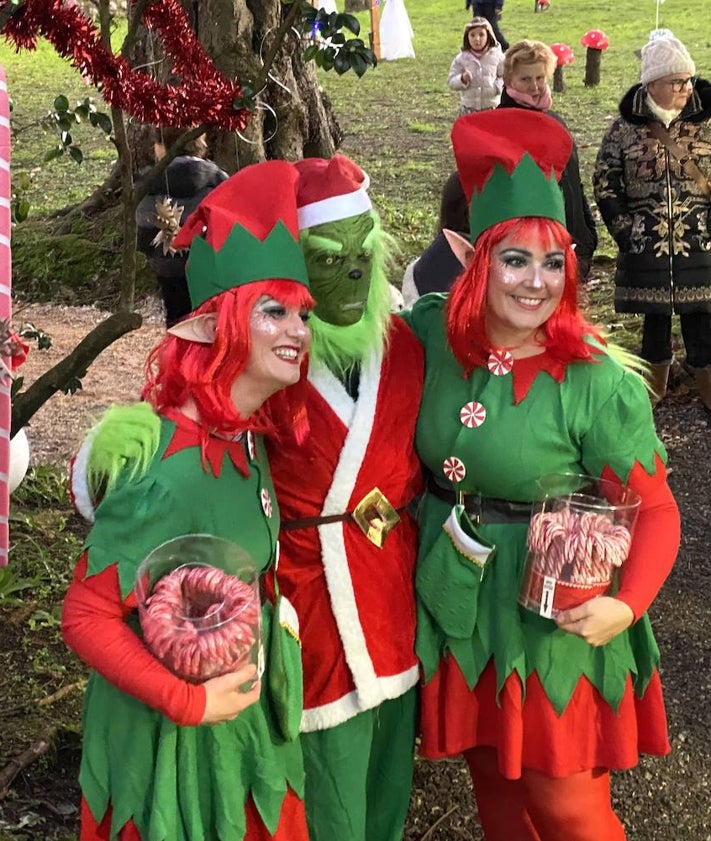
528,67
187,180
652,187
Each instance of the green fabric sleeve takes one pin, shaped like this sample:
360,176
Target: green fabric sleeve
622,431
424,312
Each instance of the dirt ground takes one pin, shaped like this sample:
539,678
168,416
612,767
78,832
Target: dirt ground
662,799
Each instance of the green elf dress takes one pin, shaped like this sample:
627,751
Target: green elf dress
149,771
496,674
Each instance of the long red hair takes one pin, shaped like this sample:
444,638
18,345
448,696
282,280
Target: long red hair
466,306
177,368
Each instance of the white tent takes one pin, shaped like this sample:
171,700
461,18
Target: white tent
396,32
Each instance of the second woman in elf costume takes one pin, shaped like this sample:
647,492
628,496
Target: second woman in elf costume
517,386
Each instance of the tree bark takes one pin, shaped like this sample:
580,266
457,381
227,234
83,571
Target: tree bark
357,5
238,34
593,60
558,80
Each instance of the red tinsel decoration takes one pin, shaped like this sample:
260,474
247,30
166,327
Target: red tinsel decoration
205,95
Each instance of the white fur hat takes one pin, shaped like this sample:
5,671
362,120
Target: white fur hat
664,55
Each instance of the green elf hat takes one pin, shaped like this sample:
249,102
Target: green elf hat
510,161
245,230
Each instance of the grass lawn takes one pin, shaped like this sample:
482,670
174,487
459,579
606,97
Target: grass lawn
396,118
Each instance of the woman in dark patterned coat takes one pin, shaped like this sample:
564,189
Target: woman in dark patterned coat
657,208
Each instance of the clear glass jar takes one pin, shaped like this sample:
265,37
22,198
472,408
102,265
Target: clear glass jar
580,534
199,607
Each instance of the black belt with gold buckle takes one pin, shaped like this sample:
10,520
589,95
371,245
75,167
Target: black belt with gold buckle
374,515
482,509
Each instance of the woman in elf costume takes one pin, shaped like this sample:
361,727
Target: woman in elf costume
164,759
518,386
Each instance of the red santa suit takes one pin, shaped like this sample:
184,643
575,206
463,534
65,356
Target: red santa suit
354,600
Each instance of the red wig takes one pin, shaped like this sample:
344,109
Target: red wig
466,307
178,369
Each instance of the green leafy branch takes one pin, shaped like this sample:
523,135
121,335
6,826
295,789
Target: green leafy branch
64,118
330,48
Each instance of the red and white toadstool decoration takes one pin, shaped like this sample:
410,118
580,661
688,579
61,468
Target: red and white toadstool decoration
564,55
596,42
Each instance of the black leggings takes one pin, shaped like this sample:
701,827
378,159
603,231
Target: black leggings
695,330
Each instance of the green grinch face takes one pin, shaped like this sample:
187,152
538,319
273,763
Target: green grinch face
339,262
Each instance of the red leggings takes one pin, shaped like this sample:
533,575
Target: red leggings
292,824
541,808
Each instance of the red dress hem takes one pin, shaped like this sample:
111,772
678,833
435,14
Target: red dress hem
292,823
588,734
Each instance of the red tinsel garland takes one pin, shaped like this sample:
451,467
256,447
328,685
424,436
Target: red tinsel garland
205,95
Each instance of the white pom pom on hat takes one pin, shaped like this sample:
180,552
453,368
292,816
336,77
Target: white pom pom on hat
664,55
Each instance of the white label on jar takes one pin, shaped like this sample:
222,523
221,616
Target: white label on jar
547,597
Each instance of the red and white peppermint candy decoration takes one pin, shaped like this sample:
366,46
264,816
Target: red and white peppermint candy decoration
500,362
472,414
266,502
251,447
454,469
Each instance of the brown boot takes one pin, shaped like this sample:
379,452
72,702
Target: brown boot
658,376
703,384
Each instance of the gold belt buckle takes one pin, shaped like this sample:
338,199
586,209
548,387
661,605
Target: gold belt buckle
375,517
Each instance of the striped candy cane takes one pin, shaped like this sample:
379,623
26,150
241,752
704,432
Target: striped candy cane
5,313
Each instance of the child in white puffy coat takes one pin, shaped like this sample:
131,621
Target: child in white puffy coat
477,71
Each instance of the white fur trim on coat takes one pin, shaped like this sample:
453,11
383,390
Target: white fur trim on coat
370,688
330,715
78,481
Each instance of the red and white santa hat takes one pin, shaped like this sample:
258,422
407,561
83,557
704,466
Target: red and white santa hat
330,190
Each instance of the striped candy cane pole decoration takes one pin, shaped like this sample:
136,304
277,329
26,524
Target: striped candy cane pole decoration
5,313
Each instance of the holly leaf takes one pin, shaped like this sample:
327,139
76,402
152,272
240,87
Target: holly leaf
359,64
349,22
61,104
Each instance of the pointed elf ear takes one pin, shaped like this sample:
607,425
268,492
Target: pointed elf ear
199,328
462,248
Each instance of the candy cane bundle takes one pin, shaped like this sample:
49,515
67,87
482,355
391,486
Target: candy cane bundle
572,555
201,622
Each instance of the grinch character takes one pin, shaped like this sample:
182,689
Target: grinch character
164,756
348,543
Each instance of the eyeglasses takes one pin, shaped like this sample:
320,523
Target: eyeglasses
678,85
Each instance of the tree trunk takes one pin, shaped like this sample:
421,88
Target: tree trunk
558,80
357,5
237,34
592,67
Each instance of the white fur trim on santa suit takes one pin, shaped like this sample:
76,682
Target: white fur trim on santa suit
335,208
371,690
332,390
330,715
287,616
